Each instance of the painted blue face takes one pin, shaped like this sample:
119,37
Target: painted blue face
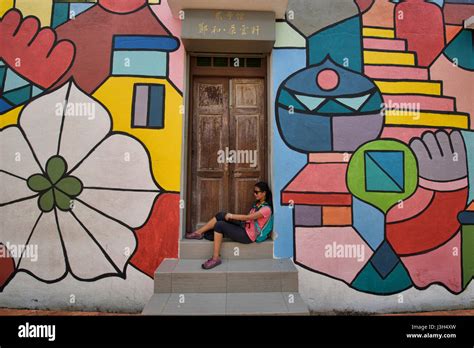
326,107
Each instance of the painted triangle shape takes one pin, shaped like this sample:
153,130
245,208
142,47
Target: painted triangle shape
354,103
377,180
13,81
18,96
288,100
36,91
392,163
373,104
333,107
310,102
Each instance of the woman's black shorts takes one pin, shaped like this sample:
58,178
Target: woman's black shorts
234,230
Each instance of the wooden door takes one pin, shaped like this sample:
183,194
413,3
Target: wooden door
228,146
248,136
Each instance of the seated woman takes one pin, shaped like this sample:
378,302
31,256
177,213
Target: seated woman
240,228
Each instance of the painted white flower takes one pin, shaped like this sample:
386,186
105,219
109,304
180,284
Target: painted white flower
72,188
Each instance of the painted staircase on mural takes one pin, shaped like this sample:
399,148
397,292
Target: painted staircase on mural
323,206
402,82
248,282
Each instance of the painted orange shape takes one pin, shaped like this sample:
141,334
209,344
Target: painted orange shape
337,216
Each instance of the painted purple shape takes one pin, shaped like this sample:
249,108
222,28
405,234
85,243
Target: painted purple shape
140,106
308,215
349,132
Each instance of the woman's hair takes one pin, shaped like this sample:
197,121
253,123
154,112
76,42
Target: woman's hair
263,186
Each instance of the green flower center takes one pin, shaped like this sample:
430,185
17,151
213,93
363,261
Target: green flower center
55,188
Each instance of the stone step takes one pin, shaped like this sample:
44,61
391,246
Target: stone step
267,275
378,32
202,250
395,72
250,303
423,102
389,58
384,44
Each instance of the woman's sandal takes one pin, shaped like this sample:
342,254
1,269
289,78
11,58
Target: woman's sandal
194,235
211,263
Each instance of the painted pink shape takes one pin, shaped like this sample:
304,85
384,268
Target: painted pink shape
457,82
312,244
405,134
327,79
324,177
424,102
384,44
412,206
122,6
441,265
392,72
176,61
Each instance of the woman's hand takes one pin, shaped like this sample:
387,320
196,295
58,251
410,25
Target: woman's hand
228,216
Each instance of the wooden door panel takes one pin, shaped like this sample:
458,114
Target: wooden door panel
210,140
211,198
247,143
243,198
246,95
247,137
210,179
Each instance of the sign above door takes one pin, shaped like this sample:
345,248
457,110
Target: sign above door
227,31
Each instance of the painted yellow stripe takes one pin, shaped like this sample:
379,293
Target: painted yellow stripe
376,32
428,119
397,58
409,87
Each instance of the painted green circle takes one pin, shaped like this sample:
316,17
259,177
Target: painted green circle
387,189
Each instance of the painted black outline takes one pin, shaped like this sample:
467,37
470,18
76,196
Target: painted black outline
11,174
28,239
63,117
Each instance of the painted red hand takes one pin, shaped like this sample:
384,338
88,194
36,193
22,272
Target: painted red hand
32,52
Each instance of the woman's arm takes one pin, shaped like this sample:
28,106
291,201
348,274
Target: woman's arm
238,217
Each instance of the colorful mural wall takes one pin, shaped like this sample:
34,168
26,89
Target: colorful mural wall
91,119
373,149
374,155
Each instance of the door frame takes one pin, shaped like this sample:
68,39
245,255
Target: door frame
192,70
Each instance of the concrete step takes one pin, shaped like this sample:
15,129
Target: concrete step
384,44
251,303
378,32
187,276
395,72
389,58
202,250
